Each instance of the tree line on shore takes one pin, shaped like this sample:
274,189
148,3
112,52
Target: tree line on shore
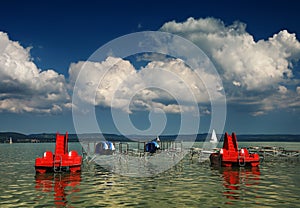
50,137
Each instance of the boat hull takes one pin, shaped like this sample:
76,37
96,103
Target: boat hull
61,161
216,159
51,169
230,155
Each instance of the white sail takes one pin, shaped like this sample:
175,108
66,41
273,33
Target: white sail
208,147
213,138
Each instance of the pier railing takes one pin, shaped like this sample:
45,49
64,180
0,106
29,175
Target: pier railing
135,148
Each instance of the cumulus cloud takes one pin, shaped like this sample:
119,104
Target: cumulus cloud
298,90
250,70
168,85
256,74
282,89
100,80
24,87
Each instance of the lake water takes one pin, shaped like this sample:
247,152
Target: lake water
188,184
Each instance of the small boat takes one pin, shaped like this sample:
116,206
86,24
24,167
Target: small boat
230,155
105,148
209,147
152,146
213,138
62,160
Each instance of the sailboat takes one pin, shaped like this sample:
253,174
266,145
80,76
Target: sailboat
209,147
10,140
213,138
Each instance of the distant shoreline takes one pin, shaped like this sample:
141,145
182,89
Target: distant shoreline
50,137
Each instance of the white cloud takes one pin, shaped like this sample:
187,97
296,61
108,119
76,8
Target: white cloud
236,83
168,85
258,74
258,113
282,89
102,80
298,90
24,87
263,68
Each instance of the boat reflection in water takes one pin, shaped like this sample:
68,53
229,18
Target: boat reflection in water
238,181
63,184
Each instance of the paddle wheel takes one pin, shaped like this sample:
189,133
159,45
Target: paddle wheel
230,155
62,160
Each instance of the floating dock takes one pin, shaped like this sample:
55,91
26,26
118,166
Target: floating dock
138,149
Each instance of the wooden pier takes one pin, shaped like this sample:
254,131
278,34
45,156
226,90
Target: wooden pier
137,149
274,152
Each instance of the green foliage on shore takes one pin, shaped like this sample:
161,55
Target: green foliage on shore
50,137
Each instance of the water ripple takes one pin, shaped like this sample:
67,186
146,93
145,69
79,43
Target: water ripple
188,184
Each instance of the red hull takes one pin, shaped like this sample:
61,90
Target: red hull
230,156
43,169
62,160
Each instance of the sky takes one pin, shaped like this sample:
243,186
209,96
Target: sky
253,45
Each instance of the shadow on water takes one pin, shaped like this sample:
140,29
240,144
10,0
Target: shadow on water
62,184
237,181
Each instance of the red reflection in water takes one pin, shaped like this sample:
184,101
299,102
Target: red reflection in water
58,183
238,179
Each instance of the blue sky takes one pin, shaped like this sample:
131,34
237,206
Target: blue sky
54,35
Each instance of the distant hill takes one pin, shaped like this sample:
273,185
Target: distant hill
50,137
270,137
16,137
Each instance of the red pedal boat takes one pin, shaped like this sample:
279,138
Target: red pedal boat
62,160
230,155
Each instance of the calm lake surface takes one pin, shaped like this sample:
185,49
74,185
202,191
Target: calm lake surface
188,184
